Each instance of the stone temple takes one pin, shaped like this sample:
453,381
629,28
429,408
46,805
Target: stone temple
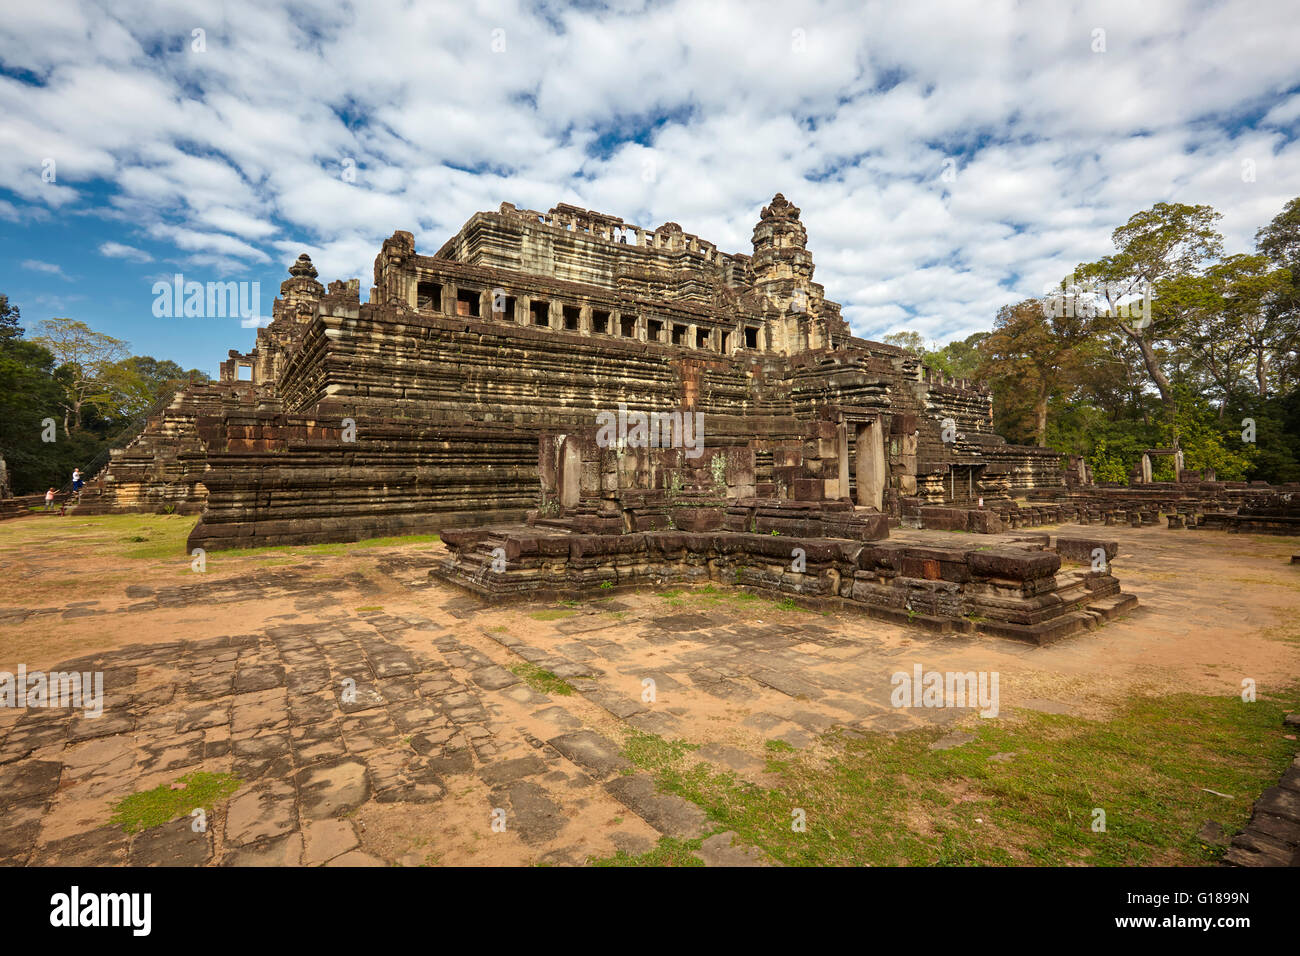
465,396
524,326
758,442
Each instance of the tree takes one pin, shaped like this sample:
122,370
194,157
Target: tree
1280,241
84,359
163,377
959,358
1037,353
28,396
9,316
1248,290
1154,247
912,341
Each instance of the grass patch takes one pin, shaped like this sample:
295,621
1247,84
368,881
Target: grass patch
890,800
552,614
136,536
669,851
153,537
153,808
710,596
542,681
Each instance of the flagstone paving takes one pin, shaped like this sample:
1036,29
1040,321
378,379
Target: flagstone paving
408,731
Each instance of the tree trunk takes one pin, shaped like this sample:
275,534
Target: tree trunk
1157,376
1040,417
1152,365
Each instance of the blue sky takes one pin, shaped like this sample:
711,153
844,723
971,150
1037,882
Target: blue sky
225,158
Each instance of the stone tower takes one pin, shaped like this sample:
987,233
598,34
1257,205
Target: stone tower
783,271
782,263
300,292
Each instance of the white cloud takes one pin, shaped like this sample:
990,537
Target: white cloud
235,156
116,250
49,268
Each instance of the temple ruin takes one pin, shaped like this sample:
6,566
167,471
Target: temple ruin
423,407
468,392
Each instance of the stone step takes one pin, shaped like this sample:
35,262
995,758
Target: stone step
1112,607
1047,632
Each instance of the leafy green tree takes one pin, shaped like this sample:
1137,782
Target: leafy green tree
163,377
1033,356
28,396
84,359
1205,441
1155,246
960,358
9,316
1280,241
912,341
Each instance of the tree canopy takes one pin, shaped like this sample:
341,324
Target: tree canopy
70,393
1165,342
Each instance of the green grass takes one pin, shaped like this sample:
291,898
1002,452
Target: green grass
135,536
669,851
890,800
153,808
153,537
542,681
710,596
552,614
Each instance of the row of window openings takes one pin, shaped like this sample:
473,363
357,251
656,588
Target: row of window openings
429,296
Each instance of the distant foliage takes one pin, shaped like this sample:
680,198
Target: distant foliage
86,383
1089,372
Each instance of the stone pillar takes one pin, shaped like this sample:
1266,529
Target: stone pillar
1146,469
842,453
871,470
584,319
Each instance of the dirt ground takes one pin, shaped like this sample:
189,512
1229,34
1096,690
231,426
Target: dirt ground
373,717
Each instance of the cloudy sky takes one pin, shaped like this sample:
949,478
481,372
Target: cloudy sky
948,158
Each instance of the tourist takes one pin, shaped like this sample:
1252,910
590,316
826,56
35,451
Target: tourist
49,499
76,482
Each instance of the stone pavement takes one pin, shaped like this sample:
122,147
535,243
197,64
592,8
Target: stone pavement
321,720
375,718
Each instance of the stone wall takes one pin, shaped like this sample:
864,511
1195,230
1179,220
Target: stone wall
162,469
1019,593
283,479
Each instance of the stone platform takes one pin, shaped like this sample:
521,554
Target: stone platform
1015,591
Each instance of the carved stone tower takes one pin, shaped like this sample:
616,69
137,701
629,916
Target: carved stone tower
783,271
301,288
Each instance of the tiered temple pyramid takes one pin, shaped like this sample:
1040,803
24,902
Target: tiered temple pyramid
461,391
